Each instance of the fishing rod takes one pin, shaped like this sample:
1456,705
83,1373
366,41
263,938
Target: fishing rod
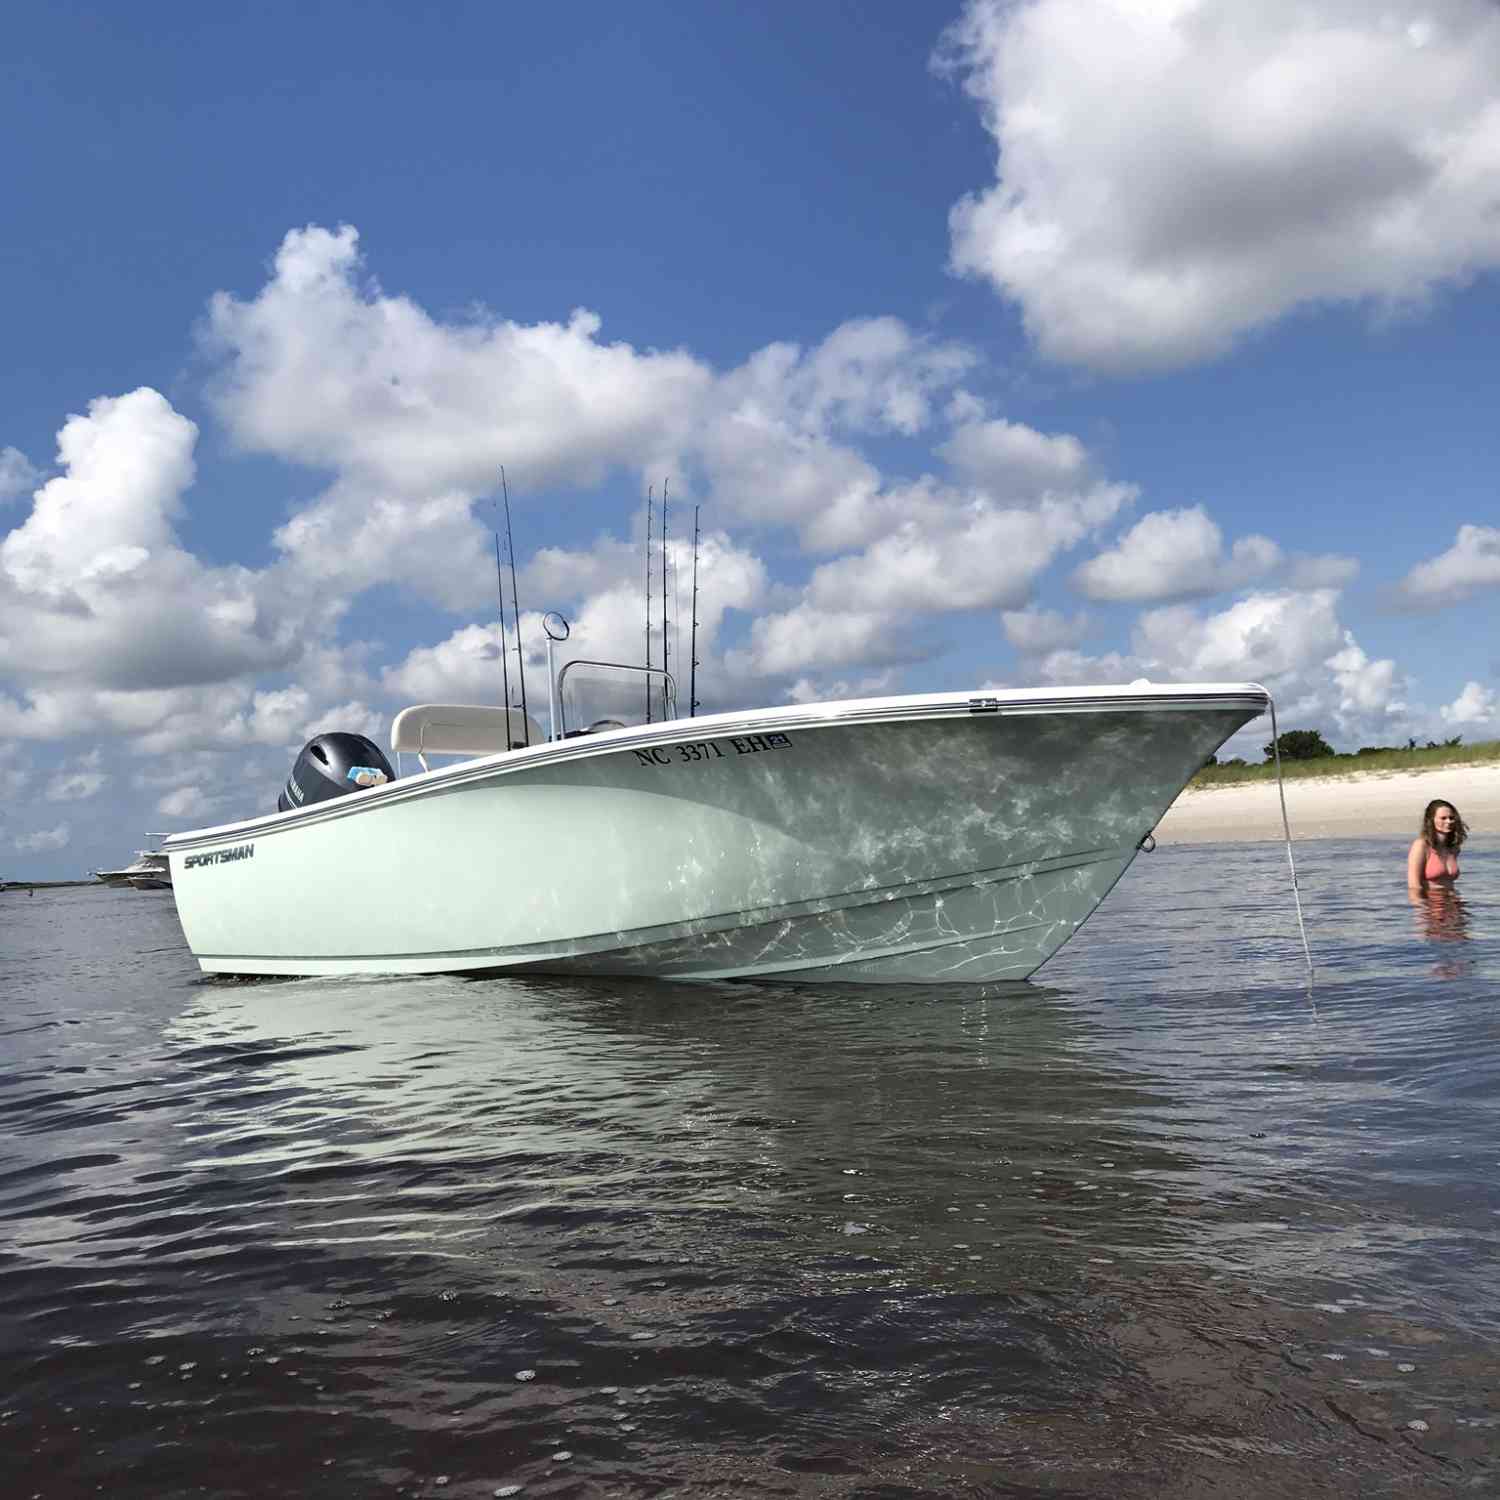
693,633
504,651
515,604
665,711
650,513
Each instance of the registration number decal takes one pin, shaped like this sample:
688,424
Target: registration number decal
705,750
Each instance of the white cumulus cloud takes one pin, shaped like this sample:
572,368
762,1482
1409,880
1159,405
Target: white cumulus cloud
185,802
1013,462
17,474
973,556
325,368
128,462
806,690
44,840
78,781
807,637
772,437
1174,173
415,416
1174,554
1472,563
1037,632
1475,706
606,624
1291,641
957,551
1180,554
94,587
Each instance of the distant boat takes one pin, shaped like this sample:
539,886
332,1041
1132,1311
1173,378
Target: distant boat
936,837
150,871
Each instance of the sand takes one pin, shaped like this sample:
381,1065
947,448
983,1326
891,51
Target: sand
1387,806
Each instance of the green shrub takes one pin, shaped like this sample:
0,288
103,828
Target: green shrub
1299,744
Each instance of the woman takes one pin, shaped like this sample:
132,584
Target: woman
1432,860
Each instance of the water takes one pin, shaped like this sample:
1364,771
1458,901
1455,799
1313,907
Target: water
1160,1226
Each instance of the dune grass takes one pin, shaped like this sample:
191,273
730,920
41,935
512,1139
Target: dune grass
1440,757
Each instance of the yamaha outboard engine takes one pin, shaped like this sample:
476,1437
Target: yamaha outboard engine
332,764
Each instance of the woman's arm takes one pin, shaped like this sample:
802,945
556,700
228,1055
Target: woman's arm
1416,867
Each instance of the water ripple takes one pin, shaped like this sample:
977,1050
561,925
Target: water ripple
1167,1224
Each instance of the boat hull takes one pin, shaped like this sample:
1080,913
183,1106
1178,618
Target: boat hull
913,840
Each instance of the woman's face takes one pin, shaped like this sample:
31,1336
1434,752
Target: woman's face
1443,820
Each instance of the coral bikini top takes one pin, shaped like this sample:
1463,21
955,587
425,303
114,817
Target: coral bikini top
1437,867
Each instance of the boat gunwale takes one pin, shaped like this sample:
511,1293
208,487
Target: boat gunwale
842,713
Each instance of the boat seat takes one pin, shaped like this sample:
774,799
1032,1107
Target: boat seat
461,729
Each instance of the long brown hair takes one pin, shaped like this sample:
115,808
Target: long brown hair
1429,826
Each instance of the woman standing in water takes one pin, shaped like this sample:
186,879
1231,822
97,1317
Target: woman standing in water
1432,860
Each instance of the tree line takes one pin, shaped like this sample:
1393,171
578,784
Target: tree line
1309,744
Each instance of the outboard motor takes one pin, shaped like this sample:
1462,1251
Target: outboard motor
332,764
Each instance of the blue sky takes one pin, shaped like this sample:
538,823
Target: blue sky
1049,342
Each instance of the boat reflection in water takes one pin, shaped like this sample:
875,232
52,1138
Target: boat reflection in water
611,1126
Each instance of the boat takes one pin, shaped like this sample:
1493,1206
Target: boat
930,837
149,871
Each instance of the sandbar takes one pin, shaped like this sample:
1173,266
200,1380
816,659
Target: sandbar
1363,805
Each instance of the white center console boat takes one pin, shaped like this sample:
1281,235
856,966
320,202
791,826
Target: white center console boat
942,836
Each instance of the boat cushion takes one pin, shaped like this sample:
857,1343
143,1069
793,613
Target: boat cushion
462,729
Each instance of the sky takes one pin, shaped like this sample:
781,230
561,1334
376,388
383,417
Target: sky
994,344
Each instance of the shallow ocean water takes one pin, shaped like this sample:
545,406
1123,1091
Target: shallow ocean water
1159,1223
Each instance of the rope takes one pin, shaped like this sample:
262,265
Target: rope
1286,829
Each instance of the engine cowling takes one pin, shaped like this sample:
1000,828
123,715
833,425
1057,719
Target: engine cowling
333,765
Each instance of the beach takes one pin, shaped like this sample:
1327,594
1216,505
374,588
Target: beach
1326,807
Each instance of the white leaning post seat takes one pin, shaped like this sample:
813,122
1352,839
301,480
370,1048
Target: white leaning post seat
461,729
